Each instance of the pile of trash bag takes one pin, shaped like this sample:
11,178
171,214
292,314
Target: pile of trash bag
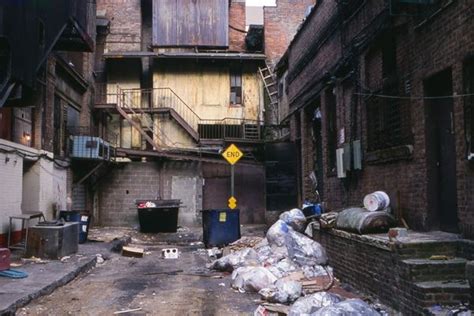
267,268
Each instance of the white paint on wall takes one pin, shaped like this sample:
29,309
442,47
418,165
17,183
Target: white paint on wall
187,190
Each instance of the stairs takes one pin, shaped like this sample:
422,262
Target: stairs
426,282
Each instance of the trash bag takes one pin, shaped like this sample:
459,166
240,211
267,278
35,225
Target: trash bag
295,219
252,279
276,235
283,268
353,307
315,271
361,221
282,292
305,251
312,303
241,258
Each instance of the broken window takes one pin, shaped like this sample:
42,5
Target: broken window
331,129
236,86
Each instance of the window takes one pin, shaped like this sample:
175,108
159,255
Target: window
388,119
331,129
235,86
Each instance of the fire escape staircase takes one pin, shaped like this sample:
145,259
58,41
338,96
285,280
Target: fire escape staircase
137,107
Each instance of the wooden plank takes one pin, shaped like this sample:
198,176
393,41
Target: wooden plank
132,252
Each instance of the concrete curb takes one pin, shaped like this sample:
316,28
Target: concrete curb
48,289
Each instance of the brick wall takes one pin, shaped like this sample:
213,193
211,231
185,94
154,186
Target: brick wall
377,268
125,24
280,25
237,21
441,42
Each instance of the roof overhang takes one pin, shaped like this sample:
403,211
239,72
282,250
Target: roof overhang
186,55
74,38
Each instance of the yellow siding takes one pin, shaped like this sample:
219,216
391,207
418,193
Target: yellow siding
206,89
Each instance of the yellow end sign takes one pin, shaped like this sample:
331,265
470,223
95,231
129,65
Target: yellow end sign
232,203
232,154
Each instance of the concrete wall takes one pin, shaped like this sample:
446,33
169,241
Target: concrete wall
29,186
148,181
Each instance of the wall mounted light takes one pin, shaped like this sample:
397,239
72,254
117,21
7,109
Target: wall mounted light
26,136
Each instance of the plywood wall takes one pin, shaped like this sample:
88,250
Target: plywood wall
206,88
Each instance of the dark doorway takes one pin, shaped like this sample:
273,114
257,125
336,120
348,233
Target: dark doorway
441,152
280,174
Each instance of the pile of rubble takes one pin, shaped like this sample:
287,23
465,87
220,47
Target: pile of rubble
283,268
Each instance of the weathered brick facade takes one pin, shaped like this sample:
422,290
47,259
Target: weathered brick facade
125,26
281,24
347,59
237,26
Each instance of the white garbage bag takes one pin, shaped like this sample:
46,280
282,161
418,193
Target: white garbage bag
282,292
309,304
315,271
283,268
295,219
252,279
276,235
241,258
353,307
305,251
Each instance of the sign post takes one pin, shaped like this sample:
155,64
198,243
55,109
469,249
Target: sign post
232,154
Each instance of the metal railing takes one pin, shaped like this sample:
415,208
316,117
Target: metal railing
138,101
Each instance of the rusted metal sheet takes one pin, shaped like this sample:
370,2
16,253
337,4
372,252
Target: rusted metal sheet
190,23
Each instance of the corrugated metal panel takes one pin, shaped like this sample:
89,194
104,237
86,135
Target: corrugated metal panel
190,23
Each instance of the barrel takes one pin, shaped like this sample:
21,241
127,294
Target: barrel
376,201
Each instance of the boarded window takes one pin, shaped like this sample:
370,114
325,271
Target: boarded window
235,86
190,23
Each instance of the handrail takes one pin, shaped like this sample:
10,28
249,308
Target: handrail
138,100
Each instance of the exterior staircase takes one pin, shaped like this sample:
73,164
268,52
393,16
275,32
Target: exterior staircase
138,106
430,281
271,87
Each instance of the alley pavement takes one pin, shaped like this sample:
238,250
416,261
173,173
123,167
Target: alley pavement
150,285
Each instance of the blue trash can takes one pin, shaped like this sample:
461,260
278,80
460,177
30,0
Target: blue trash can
220,227
82,218
84,222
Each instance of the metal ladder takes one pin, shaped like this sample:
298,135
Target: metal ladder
270,83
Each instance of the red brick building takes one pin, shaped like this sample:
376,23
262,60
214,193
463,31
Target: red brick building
396,82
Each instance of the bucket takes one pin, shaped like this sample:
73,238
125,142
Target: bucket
376,201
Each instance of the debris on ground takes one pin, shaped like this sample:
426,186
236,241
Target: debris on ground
133,252
119,243
128,311
170,253
288,267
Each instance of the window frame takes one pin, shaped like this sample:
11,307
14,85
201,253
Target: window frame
236,86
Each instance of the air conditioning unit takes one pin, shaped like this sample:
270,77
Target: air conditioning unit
89,147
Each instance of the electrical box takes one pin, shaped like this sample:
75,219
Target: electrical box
341,170
357,155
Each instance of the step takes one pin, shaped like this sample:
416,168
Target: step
453,292
427,249
433,270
